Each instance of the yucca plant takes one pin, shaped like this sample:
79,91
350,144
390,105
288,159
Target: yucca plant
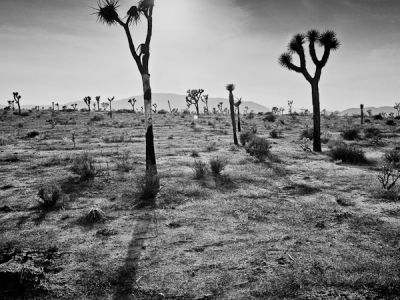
98,102
132,102
107,14
327,40
237,105
17,98
110,100
230,88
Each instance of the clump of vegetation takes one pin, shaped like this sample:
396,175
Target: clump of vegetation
351,134
148,187
217,165
49,195
83,166
259,148
378,117
96,118
275,133
246,137
32,134
393,157
348,154
390,122
307,133
195,153
372,132
95,215
114,139
200,169
162,112
269,118
212,147
123,164
388,176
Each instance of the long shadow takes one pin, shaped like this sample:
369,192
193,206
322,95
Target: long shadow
127,274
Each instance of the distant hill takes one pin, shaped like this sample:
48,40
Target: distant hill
375,110
176,100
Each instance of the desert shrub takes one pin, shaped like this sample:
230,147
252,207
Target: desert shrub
326,136
32,134
367,121
378,117
23,113
388,176
162,112
351,134
199,169
372,132
269,118
307,133
95,215
217,165
171,137
83,166
123,164
348,154
390,122
390,195
250,115
195,153
246,137
49,194
114,139
186,112
275,134
393,156
148,187
20,125
96,118
211,147
259,148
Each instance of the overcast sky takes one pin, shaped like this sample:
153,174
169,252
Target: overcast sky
54,50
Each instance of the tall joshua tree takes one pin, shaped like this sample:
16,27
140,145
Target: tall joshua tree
194,97
327,40
237,104
17,98
87,101
132,101
230,88
107,13
110,100
98,102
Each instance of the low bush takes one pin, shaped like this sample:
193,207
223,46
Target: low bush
211,147
97,118
351,134
83,166
390,122
195,153
275,134
259,148
124,164
393,156
114,139
148,187
95,215
246,137
378,117
348,154
269,118
32,134
49,195
307,133
372,132
217,165
199,169
162,112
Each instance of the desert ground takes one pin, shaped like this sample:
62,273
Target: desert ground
299,225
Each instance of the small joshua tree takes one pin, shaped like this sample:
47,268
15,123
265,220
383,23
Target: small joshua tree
132,102
74,106
329,41
94,106
237,105
58,106
105,105
87,101
64,107
230,88
290,105
169,105
220,107
369,111
362,113
204,99
275,110
155,108
98,102
246,109
194,97
17,99
110,100
11,104
397,107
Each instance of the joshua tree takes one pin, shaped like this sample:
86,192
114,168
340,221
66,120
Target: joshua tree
329,41
110,100
237,104
362,113
169,105
87,101
397,107
107,13
52,105
64,108
369,111
275,110
246,109
98,102
220,107
74,106
155,107
281,110
17,98
230,87
141,109
204,99
94,106
105,105
132,101
11,104
194,97
58,107
290,104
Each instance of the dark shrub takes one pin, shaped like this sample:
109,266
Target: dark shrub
217,165
372,132
162,112
351,134
32,134
199,169
307,133
390,122
195,153
246,137
259,148
49,194
367,121
397,117
393,156
149,187
97,118
348,154
378,117
95,215
269,118
83,166
250,115
275,134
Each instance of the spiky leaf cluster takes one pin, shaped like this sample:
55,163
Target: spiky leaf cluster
230,87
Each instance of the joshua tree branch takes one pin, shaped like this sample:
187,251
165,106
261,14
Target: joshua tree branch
325,57
132,48
313,53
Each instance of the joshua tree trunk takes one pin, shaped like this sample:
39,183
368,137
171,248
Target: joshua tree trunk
110,111
98,105
316,117
197,110
151,166
362,113
169,105
231,103
239,127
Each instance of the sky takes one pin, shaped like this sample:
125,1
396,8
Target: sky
55,50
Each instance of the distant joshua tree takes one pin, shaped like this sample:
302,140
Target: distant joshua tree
17,99
369,111
155,108
74,106
204,99
58,107
194,97
220,107
64,108
230,88
329,41
52,106
169,105
105,105
275,110
397,107
110,100
290,105
87,101
362,113
132,102
246,109
98,102
281,110
11,104
107,13
237,105
94,106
